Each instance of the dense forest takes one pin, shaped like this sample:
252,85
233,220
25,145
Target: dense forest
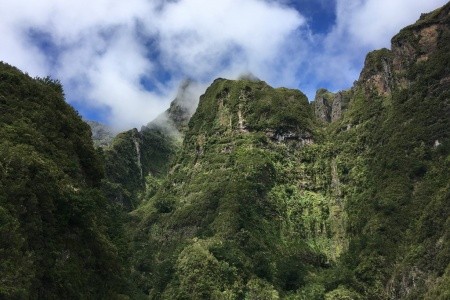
258,194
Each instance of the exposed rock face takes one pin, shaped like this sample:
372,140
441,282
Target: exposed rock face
416,42
376,76
328,106
322,108
428,40
299,138
337,107
413,45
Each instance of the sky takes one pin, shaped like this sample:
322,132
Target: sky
121,62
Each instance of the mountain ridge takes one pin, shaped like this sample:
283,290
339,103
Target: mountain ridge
258,195
352,171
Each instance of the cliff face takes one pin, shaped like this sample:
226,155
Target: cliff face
328,107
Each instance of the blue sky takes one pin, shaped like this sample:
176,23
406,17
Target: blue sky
121,62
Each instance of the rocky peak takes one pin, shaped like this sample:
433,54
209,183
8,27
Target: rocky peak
183,106
322,105
385,69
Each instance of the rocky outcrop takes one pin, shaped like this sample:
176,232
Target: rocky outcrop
337,106
299,138
377,77
417,42
322,106
328,107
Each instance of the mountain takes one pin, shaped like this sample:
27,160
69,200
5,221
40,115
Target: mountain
346,198
53,241
255,194
217,225
392,150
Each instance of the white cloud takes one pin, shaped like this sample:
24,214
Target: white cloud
372,23
198,40
361,26
103,55
106,47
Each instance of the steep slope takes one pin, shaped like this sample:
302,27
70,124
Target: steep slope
52,236
224,224
136,161
392,149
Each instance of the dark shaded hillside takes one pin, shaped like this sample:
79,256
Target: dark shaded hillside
135,162
52,239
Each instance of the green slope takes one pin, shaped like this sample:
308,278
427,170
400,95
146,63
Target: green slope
137,161
397,189
223,224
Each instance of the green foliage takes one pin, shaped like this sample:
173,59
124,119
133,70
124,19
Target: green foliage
312,291
342,293
395,189
261,201
199,275
52,240
220,192
133,158
307,214
260,289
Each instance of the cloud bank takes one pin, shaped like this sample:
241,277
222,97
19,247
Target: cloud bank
126,59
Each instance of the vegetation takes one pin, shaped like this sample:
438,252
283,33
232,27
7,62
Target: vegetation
52,213
134,159
264,198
